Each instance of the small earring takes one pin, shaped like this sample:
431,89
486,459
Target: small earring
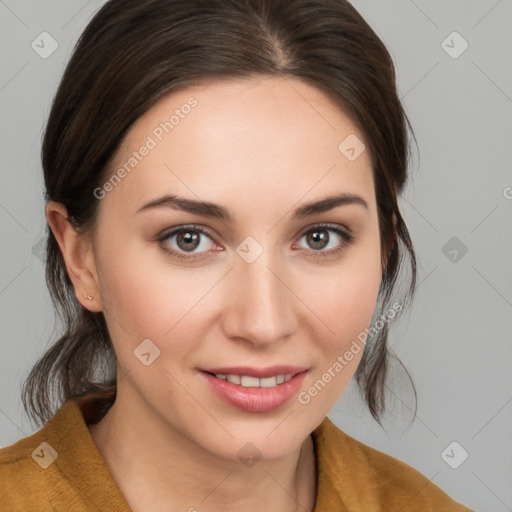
88,297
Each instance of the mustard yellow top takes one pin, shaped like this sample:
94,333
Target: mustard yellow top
59,468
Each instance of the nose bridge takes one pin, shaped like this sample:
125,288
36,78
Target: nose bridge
261,309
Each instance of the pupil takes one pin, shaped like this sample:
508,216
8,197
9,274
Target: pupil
318,239
191,240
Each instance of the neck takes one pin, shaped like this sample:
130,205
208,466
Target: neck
158,468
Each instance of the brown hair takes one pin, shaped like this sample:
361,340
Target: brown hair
132,53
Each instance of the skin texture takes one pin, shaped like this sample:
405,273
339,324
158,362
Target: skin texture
260,148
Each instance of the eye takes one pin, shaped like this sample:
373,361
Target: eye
326,240
186,242
193,243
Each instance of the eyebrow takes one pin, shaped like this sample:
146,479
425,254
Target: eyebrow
219,212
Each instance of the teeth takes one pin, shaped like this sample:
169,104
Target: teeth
234,379
268,382
249,382
253,382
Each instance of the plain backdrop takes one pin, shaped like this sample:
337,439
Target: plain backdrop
455,79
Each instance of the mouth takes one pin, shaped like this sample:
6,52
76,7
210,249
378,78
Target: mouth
255,390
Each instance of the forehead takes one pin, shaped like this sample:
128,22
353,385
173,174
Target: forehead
273,138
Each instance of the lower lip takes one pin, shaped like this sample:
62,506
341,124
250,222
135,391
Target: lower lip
255,399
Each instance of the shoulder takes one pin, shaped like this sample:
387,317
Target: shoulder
366,479
21,469
34,452
57,468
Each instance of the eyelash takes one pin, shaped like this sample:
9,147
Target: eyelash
347,238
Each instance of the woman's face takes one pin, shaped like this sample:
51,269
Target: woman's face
238,274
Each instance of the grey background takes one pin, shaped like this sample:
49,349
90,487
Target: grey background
455,341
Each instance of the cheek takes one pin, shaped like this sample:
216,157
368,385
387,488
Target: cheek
144,298
346,305
349,295
127,290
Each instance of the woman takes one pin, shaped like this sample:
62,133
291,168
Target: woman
224,244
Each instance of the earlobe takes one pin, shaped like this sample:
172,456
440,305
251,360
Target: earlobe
77,252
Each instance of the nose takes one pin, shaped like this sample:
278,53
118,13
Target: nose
261,307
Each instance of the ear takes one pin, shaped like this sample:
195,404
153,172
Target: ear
77,252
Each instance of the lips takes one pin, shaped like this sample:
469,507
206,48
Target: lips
253,389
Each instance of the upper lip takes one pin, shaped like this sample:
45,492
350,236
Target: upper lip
261,373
